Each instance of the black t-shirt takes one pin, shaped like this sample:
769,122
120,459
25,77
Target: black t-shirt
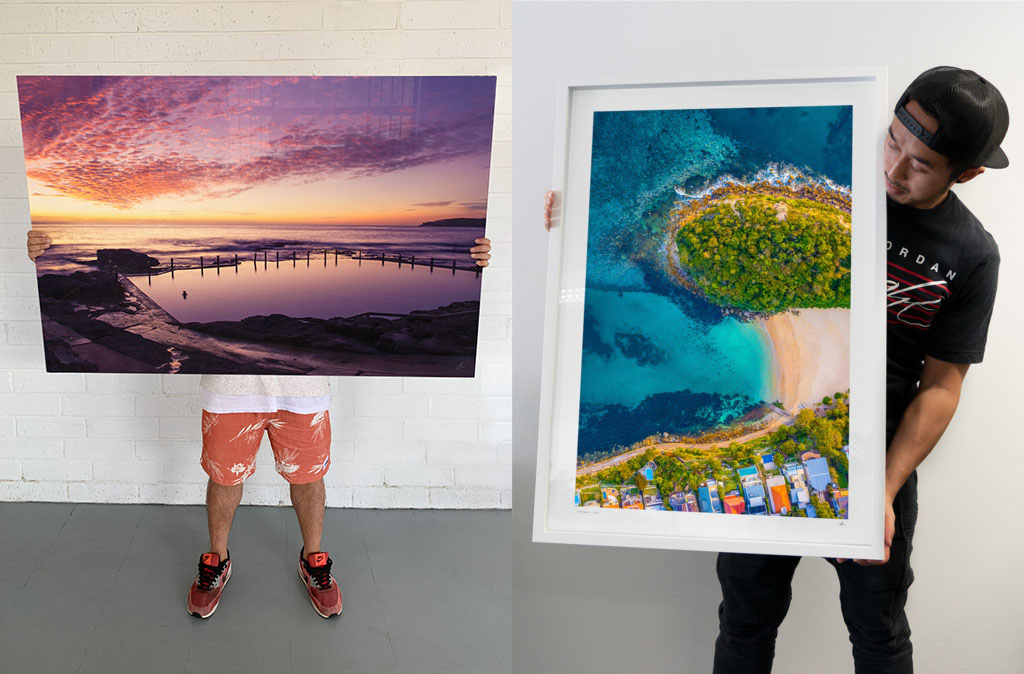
941,285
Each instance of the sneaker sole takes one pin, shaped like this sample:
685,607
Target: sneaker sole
315,608
197,614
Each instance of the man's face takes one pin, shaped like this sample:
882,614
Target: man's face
915,175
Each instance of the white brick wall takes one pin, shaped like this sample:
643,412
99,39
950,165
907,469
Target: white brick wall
398,443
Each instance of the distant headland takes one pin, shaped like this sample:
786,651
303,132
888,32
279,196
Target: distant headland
456,222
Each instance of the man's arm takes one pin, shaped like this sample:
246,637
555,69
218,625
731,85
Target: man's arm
924,421
922,424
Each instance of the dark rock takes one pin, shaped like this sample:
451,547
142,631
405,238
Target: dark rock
125,259
454,307
396,342
61,358
338,343
280,329
92,286
366,328
441,347
197,362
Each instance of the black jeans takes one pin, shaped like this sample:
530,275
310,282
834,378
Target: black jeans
756,593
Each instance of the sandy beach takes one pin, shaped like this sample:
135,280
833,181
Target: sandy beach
812,354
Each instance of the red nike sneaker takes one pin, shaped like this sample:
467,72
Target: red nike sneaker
204,595
315,572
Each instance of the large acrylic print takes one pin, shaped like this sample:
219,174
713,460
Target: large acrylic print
259,225
714,347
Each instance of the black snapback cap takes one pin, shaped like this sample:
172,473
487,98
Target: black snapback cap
972,115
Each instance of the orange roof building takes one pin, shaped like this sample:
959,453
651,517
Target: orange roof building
734,504
779,495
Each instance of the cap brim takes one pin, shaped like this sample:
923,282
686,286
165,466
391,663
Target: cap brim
997,159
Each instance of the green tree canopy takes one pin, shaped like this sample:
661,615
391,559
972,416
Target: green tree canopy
768,253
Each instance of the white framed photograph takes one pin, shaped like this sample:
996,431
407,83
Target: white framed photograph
714,348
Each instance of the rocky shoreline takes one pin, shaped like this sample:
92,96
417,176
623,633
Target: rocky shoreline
101,322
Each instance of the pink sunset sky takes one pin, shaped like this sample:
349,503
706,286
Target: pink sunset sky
294,150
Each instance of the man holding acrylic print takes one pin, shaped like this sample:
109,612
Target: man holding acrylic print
293,411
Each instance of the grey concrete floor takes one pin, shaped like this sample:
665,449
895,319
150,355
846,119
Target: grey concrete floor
101,589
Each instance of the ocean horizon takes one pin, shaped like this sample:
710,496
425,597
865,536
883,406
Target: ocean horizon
187,243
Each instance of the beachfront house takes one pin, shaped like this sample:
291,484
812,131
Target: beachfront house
632,502
754,494
734,504
708,497
799,495
809,454
794,471
840,501
817,474
677,501
778,495
652,498
683,502
609,497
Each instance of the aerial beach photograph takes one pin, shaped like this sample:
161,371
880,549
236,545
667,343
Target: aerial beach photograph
715,362
259,225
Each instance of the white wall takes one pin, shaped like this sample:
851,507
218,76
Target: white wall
656,610
398,443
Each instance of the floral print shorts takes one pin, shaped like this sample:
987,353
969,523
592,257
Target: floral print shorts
301,444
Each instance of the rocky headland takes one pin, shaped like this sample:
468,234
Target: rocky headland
101,322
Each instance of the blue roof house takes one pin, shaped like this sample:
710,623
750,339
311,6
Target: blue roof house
753,492
708,496
817,474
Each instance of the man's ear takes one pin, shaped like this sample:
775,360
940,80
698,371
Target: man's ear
970,174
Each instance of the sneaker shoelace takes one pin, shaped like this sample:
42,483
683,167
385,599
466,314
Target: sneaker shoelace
208,575
321,575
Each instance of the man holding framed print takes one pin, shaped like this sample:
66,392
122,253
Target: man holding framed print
293,410
941,284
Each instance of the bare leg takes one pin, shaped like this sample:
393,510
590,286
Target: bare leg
221,502
309,500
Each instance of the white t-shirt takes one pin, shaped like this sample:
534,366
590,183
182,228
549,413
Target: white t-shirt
232,393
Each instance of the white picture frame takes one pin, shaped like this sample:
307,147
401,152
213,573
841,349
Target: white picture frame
556,518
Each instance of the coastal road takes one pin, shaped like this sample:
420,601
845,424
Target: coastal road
666,446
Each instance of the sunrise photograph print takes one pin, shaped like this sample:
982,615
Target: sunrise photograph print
259,225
